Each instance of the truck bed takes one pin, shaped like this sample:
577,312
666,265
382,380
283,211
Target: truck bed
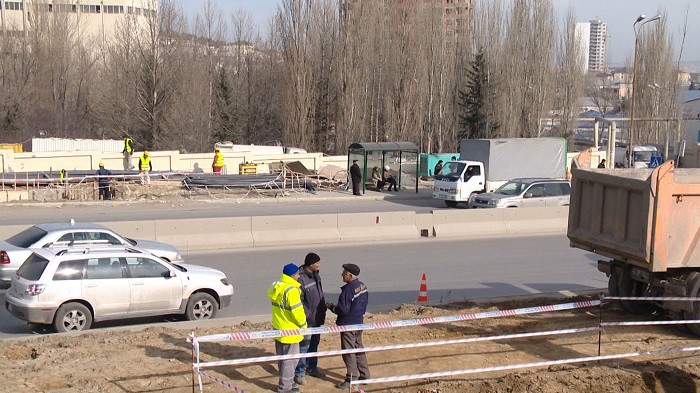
650,219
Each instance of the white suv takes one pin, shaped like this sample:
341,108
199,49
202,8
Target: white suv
71,289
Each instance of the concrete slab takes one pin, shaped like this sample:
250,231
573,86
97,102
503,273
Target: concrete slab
377,226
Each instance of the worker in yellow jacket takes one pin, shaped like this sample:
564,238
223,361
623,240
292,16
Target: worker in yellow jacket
218,163
287,313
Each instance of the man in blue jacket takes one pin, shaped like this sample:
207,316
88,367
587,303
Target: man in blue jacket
351,307
315,307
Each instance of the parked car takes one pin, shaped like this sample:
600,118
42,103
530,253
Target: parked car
526,192
71,289
57,236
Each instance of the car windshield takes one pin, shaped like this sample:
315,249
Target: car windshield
451,170
512,188
27,237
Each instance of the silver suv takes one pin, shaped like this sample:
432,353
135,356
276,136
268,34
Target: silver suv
71,289
526,192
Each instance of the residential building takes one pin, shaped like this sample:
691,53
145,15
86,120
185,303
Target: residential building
94,18
593,38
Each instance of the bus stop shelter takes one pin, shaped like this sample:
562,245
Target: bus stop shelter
399,156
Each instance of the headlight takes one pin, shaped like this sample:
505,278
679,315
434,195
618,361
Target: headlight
224,281
493,202
455,191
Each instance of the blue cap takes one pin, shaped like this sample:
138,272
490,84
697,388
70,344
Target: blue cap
290,269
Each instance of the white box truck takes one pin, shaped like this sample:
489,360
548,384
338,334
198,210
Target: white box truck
486,164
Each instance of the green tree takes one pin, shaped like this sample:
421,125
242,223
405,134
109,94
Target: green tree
224,117
478,120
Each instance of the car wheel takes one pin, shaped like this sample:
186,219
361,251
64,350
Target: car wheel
450,203
72,317
201,306
693,285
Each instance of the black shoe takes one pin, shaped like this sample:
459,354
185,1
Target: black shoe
345,385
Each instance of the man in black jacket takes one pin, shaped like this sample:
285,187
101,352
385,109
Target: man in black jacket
356,177
351,308
315,307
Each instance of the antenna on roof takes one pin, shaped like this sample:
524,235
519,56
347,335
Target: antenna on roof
72,221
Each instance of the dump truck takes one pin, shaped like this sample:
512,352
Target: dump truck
648,223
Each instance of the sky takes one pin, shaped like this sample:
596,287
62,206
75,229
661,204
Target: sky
619,15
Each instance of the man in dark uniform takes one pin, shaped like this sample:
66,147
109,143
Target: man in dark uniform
315,307
103,183
356,176
351,307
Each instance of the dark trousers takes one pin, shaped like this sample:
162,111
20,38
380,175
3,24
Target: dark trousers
356,363
380,184
307,365
391,182
103,192
356,186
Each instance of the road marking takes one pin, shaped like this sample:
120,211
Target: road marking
525,288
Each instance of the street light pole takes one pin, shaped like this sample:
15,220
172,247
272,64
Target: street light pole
634,82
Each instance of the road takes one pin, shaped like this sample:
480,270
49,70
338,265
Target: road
25,214
456,270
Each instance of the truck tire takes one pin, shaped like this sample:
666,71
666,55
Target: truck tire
72,317
627,287
450,203
201,306
693,285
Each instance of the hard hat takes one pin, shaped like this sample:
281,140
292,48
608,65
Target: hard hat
101,164
387,167
145,153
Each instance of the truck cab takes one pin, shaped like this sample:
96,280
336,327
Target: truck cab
458,181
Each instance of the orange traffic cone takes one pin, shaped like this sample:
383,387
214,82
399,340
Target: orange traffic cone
423,291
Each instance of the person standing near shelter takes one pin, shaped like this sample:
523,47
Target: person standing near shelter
128,152
103,183
389,179
315,308
351,308
287,313
218,163
356,176
438,168
145,167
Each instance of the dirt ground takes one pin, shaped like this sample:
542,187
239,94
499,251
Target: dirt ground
158,359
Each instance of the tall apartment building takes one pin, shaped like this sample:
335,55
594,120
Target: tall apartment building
95,18
593,37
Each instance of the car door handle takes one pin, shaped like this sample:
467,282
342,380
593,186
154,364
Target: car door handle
137,283
91,285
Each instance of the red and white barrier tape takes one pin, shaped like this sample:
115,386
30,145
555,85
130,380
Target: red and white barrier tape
390,347
523,365
648,323
238,336
654,298
222,382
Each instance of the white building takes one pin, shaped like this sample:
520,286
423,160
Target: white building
95,18
593,37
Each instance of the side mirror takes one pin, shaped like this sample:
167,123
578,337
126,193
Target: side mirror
528,195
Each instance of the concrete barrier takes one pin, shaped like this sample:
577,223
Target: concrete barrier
206,233
377,226
136,229
301,229
536,219
473,222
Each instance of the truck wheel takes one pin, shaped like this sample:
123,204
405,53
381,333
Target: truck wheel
614,289
693,285
450,203
626,287
72,317
201,306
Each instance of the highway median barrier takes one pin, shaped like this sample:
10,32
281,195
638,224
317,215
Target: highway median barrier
472,222
206,233
377,226
295,229
536,219
145,230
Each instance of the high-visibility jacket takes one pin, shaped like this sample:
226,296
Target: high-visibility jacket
145,163
287,309
218,159
128,145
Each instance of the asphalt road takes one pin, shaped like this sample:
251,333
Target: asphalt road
456,270
34,213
